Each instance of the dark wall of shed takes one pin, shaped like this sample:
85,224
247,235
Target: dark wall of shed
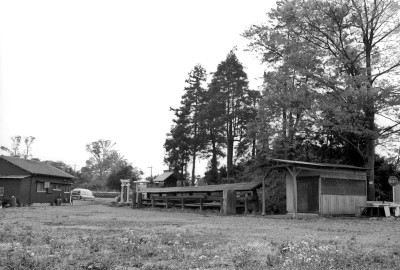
170,181
7,168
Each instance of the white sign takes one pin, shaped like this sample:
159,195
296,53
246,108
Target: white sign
393,181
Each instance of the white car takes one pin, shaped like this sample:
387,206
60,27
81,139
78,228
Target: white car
82,194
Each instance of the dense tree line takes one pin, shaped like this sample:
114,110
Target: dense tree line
330,75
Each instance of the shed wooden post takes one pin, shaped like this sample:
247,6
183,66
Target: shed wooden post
294,177
139,200
229,202
134,205
263,197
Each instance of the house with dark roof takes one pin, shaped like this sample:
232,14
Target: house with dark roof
166,179
33,181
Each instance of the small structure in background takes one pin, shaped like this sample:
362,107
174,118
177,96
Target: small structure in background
166,179
31,181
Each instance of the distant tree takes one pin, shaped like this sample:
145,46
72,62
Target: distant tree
123,170
177,144
103,159
62,166
229,85
213,124
28,146
192,102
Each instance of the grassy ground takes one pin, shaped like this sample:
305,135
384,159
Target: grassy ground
92,235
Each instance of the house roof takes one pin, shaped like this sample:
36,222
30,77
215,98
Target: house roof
316,165
163,177
37,167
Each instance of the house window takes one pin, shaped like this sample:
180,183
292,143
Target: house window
56,187
40,187
66,188
1,191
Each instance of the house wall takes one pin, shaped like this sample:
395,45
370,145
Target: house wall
50,195
11,187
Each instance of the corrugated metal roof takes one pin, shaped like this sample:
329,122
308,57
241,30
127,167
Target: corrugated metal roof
163,176
37,167
321,165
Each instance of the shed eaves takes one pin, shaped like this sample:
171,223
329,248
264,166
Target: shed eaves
13,176
319,165
37,167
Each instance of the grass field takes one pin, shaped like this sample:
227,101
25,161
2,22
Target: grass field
92,235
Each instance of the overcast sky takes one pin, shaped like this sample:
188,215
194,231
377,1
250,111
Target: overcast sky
73,72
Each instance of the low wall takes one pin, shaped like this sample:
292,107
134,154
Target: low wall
106,194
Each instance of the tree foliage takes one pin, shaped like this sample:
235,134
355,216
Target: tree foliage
123,170
104,159
348,55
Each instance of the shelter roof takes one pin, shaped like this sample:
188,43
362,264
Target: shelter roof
247,186
37,167
316,165
163,176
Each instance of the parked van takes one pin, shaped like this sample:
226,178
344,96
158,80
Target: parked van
82,194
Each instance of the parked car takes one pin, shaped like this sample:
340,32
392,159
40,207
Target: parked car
82,194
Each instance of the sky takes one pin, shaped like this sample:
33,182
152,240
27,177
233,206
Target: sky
73,72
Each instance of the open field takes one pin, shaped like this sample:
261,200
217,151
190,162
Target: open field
92,235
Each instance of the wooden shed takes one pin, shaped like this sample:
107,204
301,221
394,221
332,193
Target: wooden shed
320,188
166,179
33,181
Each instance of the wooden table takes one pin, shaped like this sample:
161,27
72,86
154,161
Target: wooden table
387,206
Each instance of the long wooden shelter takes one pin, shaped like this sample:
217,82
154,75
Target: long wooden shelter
227,197
320,188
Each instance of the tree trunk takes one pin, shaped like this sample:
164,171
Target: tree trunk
229,152
214,159
194,168
284,135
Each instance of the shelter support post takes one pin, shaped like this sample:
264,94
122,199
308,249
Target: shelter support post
139,200
229,199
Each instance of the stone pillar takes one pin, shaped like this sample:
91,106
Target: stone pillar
229,202
122,192
128,191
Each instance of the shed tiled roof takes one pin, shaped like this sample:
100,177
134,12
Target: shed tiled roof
163,176
37,167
